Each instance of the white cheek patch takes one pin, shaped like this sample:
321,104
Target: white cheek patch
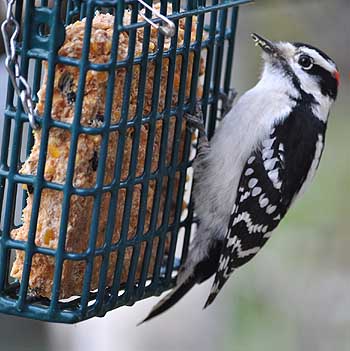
308,83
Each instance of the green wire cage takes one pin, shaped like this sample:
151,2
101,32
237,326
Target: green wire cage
107,211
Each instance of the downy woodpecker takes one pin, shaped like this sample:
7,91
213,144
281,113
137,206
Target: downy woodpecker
262,157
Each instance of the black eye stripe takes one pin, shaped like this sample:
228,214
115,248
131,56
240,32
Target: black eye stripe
328,83
318,70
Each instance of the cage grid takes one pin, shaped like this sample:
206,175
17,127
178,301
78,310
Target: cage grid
164,242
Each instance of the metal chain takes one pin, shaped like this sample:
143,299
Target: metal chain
10,29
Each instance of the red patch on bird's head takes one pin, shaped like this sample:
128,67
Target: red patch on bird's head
337,77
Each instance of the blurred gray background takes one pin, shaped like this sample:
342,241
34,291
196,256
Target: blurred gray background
296,294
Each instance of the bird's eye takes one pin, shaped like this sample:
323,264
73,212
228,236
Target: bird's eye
305,61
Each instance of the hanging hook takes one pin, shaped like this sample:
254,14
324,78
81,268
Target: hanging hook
167,29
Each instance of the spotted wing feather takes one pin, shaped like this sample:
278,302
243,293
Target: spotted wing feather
279,170
262,200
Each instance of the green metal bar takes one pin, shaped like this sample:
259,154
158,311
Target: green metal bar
131,175
149,150
83,6
219,51
150,141
209,62
19,245
14,163
114,194
38,180
101,67
230,52
95,216
114,127
113,300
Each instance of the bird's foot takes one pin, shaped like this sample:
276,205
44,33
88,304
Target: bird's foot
195,120
227,101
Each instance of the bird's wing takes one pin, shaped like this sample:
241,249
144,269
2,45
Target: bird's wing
280,168
263,197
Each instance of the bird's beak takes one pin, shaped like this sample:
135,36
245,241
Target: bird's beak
268,46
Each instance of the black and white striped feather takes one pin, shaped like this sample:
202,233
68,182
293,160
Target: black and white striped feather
270,181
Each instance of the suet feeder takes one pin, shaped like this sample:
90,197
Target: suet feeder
95,172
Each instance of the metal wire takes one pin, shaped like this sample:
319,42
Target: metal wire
10,30
167,29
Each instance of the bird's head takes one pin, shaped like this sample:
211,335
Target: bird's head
310,69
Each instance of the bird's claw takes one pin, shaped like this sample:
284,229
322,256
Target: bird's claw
227,100
195,121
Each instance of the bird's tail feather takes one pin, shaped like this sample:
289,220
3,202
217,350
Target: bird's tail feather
172,298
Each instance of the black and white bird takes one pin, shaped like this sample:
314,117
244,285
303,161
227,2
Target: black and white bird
262,157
